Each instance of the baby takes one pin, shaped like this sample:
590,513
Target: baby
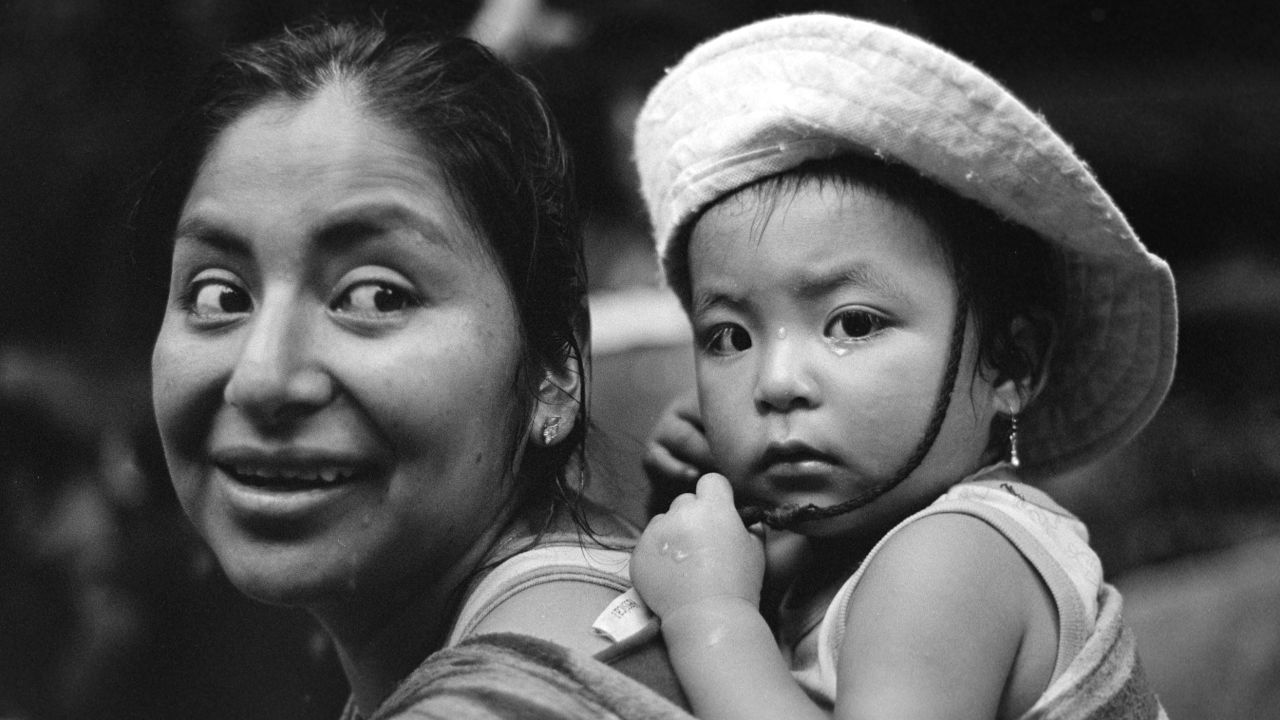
910,299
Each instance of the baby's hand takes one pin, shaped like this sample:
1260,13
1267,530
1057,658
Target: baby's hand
677,453
698,550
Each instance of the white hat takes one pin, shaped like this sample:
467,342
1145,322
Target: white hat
766,97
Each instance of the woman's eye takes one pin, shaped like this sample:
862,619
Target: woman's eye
213,298
727,339
374,298
854,325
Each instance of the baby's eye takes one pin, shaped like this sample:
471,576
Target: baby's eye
727,339
854,325
373,298
215,298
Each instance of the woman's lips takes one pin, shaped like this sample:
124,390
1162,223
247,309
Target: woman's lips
282,500
290,468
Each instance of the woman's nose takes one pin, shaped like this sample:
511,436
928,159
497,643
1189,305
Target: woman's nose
278,375
784,381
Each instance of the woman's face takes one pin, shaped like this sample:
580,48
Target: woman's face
334,378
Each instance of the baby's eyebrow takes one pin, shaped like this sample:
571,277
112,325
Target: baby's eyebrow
812,286
860,275
707,300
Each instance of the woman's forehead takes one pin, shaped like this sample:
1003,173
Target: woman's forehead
332,127
308,164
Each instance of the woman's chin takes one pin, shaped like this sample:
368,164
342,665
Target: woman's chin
277,584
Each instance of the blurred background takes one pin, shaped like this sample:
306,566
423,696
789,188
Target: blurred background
109,607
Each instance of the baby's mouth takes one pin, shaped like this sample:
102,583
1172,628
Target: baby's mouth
791,456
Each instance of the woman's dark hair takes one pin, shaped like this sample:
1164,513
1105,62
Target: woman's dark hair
491,134
1007,271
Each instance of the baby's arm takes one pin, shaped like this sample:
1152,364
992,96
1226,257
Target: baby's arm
949,621
699,569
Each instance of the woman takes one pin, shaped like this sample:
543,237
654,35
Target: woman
369,379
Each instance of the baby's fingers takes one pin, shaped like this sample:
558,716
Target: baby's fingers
716,488
680,432
665,469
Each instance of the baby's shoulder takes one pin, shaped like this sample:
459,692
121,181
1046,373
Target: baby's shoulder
951,590
950,553
949,569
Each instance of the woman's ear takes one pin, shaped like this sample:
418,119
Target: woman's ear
556,409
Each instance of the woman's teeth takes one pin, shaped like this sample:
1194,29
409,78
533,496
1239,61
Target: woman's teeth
278,475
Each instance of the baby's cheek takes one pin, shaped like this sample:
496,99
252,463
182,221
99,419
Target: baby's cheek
892,402
732,444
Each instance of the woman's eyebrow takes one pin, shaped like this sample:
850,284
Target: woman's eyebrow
347,229
198,230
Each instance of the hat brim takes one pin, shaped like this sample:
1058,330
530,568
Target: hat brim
763,98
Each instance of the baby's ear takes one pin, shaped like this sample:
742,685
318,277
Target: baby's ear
1034,337
1008,398
556,410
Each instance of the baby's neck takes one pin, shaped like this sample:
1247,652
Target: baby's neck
827,564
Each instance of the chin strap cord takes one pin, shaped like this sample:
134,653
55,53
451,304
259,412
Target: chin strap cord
785,517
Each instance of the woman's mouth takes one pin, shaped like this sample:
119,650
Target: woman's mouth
286,477
290,469
278,492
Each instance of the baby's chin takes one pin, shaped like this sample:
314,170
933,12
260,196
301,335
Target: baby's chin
822,489
780,500
850,526
866,521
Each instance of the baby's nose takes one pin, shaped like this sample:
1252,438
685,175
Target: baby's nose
784,382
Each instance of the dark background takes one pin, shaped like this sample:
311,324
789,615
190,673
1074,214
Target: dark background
110,608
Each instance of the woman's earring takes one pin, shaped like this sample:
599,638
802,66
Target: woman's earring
550,429
1014,460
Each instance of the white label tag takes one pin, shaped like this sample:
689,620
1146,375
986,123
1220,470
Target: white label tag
624,617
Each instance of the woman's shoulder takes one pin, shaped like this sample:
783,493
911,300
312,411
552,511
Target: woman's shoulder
590,518
552,581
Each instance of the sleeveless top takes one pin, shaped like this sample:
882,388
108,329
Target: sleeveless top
555,557
1053,541
550,558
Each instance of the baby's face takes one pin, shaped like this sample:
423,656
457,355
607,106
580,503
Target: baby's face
822,324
